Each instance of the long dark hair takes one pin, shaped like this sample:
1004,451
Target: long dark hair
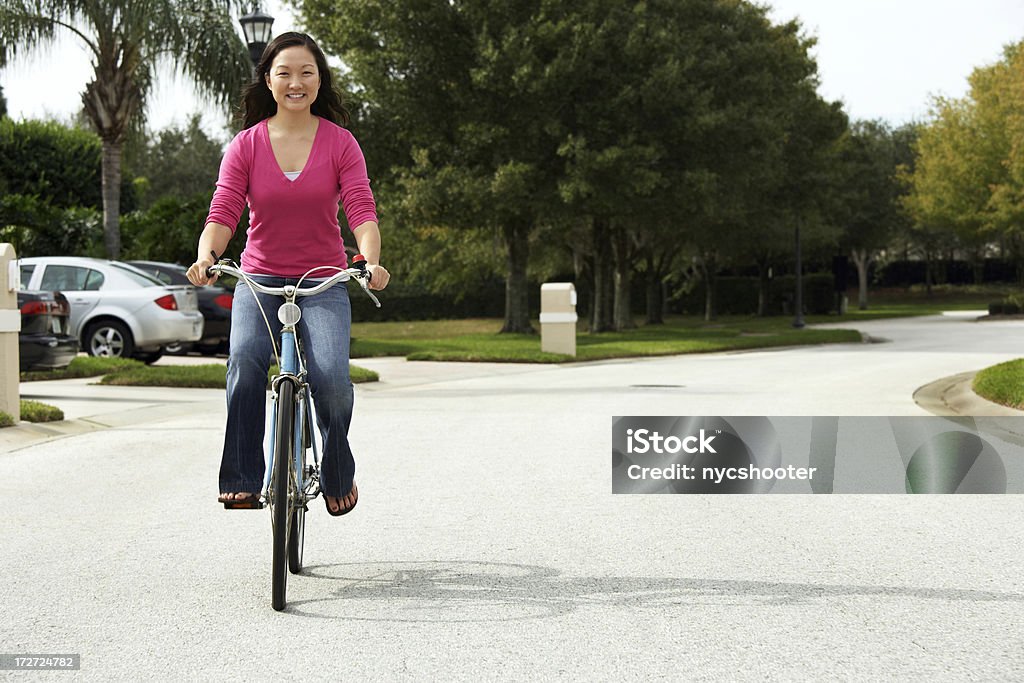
258,102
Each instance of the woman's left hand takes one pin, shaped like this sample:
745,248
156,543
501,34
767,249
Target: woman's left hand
379,276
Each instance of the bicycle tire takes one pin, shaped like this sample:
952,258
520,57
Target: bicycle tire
297,528
296,538
283,448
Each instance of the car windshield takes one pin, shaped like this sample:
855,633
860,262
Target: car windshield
137,276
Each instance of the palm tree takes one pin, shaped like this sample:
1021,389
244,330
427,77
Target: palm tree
129,40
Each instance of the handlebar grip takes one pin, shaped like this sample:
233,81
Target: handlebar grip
359,261
209,273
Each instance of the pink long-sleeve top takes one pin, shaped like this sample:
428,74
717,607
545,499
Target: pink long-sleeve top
293,224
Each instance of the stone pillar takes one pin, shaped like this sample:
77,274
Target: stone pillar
558,318
10,325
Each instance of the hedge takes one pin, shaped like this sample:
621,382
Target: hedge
739,296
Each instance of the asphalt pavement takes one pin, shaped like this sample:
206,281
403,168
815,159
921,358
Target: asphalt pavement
487,544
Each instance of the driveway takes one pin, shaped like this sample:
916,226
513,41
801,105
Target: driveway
487,543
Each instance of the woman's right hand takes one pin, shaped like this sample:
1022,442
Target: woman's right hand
197,272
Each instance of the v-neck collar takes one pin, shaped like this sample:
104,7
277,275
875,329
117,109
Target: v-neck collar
312,151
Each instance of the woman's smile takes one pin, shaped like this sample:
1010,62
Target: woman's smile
294,78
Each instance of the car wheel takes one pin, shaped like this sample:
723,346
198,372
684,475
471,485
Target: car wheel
149,357
109,338
175,349
207,349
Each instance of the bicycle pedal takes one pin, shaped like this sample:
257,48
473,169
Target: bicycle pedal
250,505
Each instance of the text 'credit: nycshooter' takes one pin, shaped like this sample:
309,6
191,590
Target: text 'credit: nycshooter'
817,455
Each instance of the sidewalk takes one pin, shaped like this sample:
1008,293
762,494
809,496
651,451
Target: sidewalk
90,407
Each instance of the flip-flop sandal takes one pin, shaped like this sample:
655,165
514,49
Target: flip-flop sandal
249,502
344,510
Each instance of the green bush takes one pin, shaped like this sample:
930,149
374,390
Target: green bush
738,296
34,411
48,159
402,301
819,294
36,227
168,231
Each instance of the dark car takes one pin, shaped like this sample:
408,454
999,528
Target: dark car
44,342
214,304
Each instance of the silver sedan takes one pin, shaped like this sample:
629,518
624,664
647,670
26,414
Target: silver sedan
117,309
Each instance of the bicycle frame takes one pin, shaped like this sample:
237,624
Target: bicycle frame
292,365
292,369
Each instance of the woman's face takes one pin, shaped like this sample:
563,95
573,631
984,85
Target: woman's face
294,79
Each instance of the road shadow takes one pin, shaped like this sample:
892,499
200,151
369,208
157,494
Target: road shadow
470,591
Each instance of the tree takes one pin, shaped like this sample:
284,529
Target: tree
451,91
3,103
129,40
968,177
176,162
871,195
951,185
761,155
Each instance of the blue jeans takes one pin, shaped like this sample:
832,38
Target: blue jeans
324,329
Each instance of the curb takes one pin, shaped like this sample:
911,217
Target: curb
953,396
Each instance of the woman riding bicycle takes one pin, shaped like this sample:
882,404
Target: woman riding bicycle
292,163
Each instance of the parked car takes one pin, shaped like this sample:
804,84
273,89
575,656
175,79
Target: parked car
214,304
117,309
45,342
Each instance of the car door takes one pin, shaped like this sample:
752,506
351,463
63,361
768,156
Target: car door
80,285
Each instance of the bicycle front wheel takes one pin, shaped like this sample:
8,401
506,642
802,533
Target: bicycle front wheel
281,506
297,528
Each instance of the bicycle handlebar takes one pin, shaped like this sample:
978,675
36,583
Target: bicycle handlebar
360,275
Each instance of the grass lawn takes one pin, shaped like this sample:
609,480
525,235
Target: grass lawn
83,366
127,372
477,339
894,303
212,376
1003,383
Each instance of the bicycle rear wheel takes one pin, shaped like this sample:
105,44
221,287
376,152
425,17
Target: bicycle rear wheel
281,505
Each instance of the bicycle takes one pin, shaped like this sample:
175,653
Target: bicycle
290,483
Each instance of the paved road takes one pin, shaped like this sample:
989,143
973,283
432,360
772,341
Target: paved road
487,543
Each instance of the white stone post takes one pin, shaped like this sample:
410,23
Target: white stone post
558,318
10,325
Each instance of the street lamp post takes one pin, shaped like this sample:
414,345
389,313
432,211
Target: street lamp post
798,303
256,27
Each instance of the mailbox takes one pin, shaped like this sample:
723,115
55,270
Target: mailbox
10,325
558,318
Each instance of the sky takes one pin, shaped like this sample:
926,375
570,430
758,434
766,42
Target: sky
883,58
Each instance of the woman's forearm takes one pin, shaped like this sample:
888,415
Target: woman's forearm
368,241
214,239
